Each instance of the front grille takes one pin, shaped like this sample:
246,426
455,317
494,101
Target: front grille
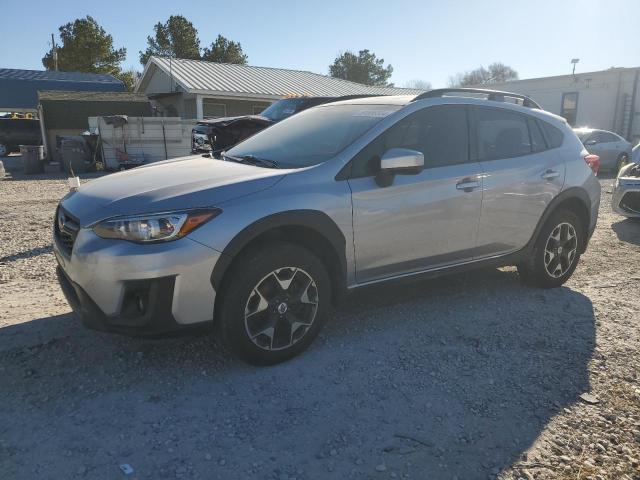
66,229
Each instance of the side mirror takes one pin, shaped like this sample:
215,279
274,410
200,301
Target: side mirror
401,161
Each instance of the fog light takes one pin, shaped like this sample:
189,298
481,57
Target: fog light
141,304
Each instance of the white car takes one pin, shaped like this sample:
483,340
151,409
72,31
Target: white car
626,193
613,150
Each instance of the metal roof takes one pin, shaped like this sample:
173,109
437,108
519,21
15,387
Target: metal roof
196,76
19,88
57,96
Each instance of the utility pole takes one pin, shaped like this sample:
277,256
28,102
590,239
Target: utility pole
54,53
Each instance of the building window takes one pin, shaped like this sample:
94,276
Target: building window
258,109
210,109
570,107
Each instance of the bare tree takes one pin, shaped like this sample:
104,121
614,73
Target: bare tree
495,73
418,84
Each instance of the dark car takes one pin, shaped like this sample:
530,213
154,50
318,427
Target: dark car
222,133
18,131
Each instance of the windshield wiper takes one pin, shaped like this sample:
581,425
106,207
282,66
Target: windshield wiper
253,160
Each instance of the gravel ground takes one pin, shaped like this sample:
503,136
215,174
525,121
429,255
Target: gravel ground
469,376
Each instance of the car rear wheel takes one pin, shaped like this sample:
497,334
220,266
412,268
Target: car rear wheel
4,150
622,161
274,304
556,251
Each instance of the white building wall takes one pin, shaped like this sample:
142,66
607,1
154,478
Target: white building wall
159,83
601,97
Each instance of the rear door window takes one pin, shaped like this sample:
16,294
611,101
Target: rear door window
501,134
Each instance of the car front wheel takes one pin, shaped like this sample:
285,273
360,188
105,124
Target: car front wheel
274,304
556,251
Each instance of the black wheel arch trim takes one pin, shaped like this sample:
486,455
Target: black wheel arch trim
314,220
573,193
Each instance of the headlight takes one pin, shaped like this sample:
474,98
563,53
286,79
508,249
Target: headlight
161,227
624,170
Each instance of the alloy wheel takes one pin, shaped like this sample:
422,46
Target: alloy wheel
560,250
281,308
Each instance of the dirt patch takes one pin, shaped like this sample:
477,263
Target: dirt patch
468,376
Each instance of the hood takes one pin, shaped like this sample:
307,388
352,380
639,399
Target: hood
189,182
224,121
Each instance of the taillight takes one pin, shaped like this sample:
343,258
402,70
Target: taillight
594,162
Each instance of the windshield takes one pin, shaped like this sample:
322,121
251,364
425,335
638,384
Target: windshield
314,136
583,135
201,128
284,108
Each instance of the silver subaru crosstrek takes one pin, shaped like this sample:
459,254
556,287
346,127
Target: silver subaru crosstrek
263,242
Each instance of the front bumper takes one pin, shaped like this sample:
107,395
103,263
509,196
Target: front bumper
122,287
155,319
626,192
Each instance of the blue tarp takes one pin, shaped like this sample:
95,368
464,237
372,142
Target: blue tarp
19,88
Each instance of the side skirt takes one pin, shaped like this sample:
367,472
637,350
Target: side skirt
489,262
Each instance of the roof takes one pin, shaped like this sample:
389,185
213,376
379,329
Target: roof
382,100
19,88
568,76
196,76
56,96
70,110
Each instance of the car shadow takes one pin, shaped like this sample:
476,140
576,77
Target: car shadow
628,230
32,252
607,175
441,378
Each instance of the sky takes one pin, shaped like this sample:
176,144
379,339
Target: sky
422,39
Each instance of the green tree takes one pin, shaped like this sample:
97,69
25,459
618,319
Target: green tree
362,68
86,47
495,73
177,37
224,50
129,78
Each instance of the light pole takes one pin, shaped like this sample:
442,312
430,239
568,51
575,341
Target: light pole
574,61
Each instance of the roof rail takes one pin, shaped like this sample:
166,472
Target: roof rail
356,96
495,95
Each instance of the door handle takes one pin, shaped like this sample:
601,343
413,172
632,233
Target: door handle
468,185
549,174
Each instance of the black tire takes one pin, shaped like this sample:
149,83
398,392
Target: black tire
622,161
534,272
246,274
